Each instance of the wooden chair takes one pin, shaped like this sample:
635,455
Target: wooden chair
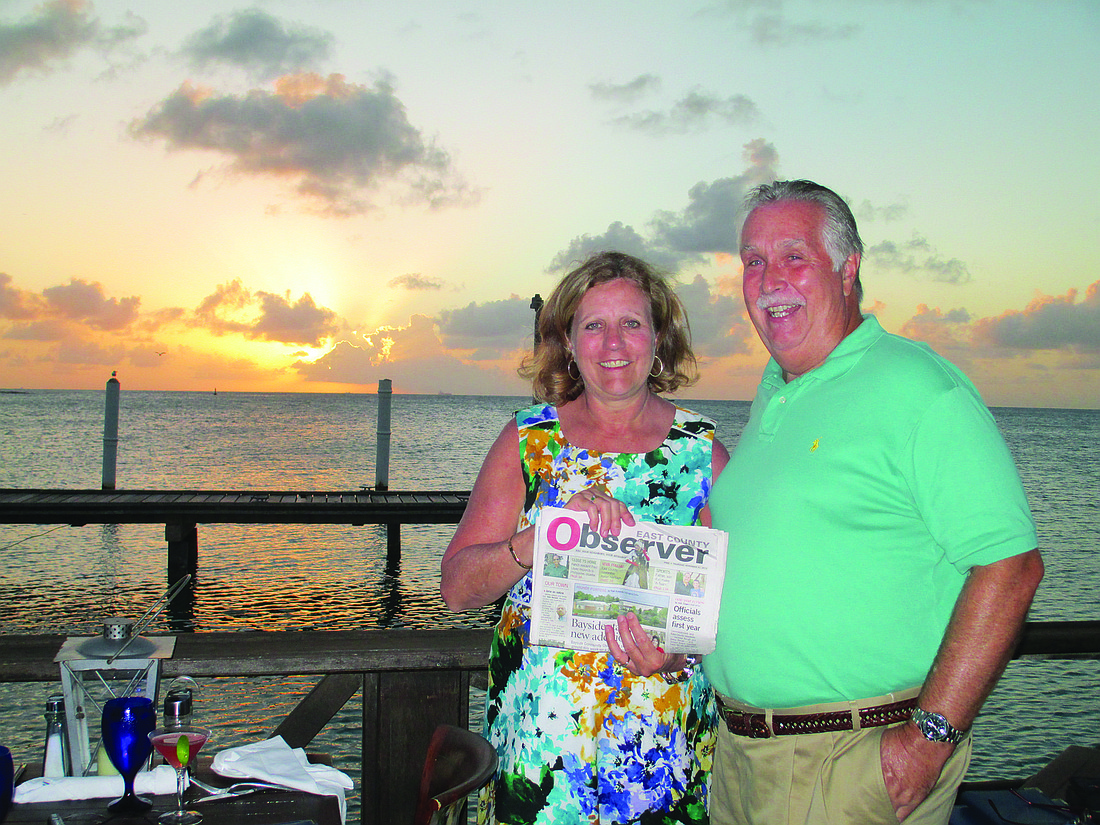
458,763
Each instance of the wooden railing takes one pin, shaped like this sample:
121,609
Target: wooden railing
411,680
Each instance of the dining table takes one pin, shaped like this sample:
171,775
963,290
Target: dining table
264,806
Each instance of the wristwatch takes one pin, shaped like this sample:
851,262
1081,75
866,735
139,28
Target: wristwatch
936,728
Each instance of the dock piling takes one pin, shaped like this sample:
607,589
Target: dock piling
183,550
382,460
110,432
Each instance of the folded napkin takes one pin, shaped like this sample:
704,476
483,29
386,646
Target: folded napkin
273,760
160,781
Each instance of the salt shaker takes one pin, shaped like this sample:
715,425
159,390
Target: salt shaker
56,759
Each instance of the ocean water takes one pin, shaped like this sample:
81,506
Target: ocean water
63,579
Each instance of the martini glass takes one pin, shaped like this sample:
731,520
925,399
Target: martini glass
127,721
179,745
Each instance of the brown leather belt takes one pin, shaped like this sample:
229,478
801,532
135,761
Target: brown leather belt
755,725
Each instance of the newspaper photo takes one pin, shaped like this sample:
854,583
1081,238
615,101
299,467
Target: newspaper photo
669,577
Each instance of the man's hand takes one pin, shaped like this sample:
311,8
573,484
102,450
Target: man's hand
911,766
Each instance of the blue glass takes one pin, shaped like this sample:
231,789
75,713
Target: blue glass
7,782
127,722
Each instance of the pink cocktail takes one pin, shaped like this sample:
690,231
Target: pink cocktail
180,747
168,746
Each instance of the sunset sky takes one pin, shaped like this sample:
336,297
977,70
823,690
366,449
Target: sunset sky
308,197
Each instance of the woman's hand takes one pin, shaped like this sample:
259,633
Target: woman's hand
606,514
638,653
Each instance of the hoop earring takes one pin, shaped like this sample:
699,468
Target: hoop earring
569,371
660,367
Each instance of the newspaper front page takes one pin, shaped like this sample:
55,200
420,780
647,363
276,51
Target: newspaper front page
670,577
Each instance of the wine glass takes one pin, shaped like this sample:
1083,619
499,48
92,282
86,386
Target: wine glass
7,782
127,721
179,745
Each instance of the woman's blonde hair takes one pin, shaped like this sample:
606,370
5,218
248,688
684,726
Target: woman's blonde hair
548,367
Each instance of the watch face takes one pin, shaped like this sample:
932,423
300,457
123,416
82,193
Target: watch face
935,726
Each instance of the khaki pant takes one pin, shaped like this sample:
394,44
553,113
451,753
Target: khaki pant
818,779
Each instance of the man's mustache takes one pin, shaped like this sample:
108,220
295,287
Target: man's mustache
766,302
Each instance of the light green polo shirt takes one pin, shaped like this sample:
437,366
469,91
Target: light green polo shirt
856,500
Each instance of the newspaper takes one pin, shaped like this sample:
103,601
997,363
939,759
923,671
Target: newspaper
670,577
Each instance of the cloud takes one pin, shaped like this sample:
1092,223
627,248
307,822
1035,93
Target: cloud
234,309
413,357
54,32
259,43
718,323
16,304
769,25
81,352
867,212
416,282
493,329
619,238
85,302
917,257
338,140
1050,327
47,330
776,30
708,224
625,92
1048,323
694,112
946,332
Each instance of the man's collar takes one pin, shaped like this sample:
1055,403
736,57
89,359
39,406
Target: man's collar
844,356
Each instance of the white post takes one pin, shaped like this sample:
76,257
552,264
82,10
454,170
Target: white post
382,462
110,433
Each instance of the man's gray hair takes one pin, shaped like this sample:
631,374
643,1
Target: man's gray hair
839,233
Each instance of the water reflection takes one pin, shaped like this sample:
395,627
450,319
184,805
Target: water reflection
181,609
392,591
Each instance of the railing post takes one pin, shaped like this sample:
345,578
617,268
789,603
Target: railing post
400,711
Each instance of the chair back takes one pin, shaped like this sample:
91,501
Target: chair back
458,763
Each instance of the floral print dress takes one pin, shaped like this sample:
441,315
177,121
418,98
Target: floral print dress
580,738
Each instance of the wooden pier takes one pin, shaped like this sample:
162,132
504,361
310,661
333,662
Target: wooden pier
180,511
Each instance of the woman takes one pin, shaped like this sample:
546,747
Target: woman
593,737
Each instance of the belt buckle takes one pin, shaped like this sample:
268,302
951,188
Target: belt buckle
758,727
749,725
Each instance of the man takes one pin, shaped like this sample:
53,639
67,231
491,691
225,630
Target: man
882,557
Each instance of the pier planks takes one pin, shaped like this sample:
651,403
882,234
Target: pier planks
32,506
